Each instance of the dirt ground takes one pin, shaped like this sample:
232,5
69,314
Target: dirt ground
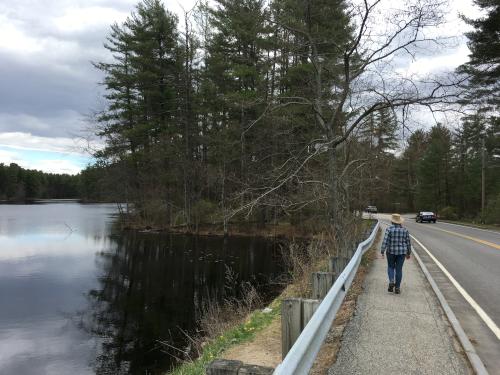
265,348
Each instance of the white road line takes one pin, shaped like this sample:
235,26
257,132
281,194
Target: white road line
470,227
487,320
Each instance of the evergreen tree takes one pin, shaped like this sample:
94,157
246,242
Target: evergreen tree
140,123
467,158
484,63
386,131
377,139
434,179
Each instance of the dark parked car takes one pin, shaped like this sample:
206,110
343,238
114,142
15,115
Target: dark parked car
426,216
371,209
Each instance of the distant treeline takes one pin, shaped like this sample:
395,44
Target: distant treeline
19,184
441,170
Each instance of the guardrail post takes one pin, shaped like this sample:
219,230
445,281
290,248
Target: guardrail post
321,283
291,321
309,307
295,314
353,250
332,266
337,265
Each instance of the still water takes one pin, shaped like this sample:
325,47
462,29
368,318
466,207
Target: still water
77,297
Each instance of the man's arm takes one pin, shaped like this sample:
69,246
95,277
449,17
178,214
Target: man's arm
408,244
385,242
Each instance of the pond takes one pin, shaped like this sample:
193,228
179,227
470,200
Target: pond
78,297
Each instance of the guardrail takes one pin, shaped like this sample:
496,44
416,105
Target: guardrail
301,356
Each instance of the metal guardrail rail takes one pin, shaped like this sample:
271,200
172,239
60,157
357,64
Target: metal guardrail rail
301,356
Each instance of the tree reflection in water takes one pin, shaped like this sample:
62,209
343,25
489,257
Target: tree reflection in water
150,288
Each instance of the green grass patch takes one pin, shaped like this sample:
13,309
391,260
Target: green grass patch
239,334
367,223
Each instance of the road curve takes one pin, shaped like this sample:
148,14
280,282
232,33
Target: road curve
471,256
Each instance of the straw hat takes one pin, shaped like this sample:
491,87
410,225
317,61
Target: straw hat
397,219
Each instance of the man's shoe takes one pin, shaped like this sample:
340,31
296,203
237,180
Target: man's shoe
391,287
397,291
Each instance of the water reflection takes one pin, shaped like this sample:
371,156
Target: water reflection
77,299
150,288
45,270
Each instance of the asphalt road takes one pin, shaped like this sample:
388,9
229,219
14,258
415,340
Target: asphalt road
472,257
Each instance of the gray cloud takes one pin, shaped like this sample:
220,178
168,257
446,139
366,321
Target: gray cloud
39,88
47,81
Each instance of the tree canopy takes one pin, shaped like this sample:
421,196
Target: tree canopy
483,66
275,110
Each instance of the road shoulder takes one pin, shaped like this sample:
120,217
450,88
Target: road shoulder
484,341
406,333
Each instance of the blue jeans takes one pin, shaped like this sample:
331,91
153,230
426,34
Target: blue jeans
395,266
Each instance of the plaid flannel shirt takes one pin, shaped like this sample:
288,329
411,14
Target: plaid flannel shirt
396,240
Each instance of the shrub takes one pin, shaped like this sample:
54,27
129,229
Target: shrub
448,213
492,214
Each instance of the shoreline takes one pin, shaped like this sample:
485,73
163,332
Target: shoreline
277,231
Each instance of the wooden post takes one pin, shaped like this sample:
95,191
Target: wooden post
344,262
333,266
355,247
291,322
309,307
337,265
295,314
321,284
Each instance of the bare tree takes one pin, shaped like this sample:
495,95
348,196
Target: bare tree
368,78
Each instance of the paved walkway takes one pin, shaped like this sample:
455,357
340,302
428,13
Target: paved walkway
399,334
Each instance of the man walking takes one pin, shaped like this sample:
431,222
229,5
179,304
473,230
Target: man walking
398,246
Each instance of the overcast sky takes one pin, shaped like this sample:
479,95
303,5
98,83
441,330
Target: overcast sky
48,85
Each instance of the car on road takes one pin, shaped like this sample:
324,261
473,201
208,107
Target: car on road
428,216
371,209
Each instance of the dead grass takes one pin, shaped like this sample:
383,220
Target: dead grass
302,261
218,317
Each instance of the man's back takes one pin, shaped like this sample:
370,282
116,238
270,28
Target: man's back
397,240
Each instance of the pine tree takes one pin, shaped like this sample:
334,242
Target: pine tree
142,92
467,159
484,63
235,81
434,171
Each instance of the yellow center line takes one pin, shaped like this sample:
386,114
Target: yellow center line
487,243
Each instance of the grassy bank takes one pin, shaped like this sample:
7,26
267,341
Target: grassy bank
240,333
